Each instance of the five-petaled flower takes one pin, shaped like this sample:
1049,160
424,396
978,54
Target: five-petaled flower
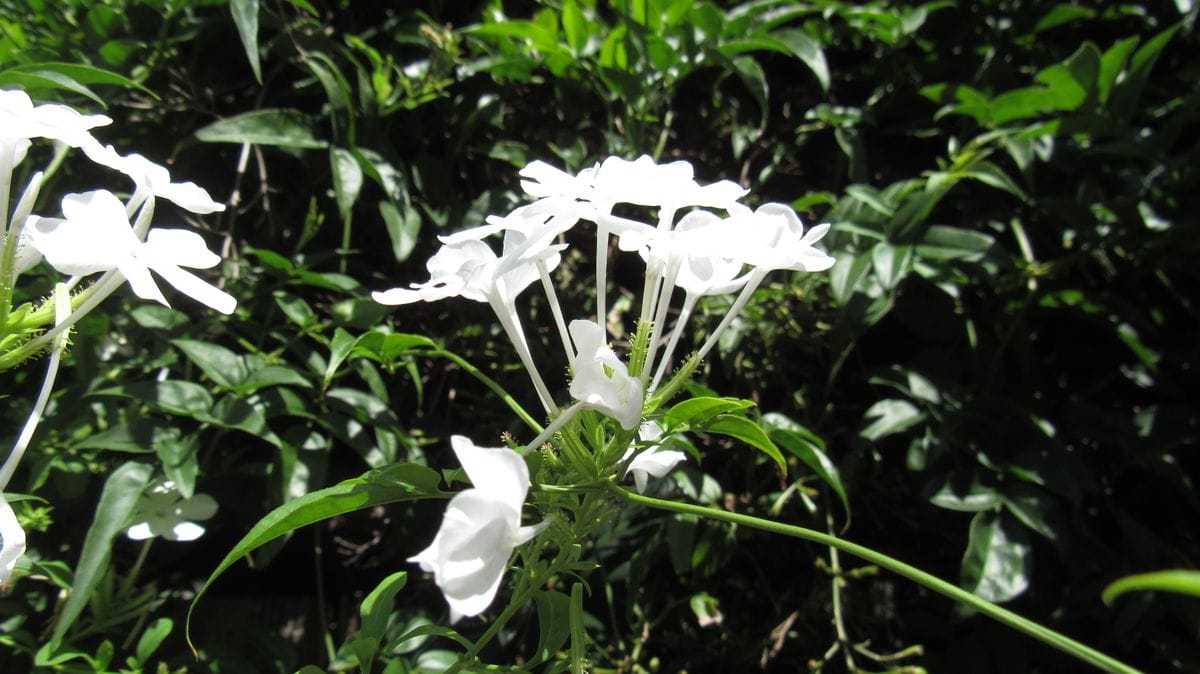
95,235
601,381
162,511
480,529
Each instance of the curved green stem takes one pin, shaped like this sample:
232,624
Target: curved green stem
490,383
1017,622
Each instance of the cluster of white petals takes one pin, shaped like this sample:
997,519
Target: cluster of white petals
95,232
480,529
717,246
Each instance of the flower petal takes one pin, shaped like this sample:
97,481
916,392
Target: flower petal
497,472
12,540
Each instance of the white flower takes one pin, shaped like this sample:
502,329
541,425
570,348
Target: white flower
481,528
642,182
153,179
601,381
162,511
96,236
774,238
12,540
21,120
653,461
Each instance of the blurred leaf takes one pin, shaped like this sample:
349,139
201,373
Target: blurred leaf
274,126
808,50
245,17
403,228
1062,14
1181,581
347,179
888,417
375,610
174,396
996,564
220,364
118,501
152,638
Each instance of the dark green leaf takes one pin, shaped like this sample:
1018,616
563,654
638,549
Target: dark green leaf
697,411
118,501
996,564
177,397
285,127
245,17
748,432
220,364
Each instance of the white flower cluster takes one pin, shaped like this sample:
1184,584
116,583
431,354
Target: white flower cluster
94,235
718,246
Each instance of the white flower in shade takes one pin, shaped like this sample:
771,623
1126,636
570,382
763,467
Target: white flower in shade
481,528
163,512
600,380
12,540
21,120
153,179
96,236
774,238
653,461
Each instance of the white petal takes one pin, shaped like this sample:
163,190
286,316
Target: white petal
140,531
76,248
179,247
190,196
12,540
196,288
497,472
184,531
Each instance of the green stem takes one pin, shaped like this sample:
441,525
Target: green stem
1017,622
491,384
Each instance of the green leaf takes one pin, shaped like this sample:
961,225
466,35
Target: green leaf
554,615
751,74
1112,63
1062,14
697,411
31,80
272,126
170,395
375,610
79,73
996,564
118,501
177,454
846,275
1182,581
891,263
340,347
403,223
347,179
400,482
220,364
888,417
807,49
970,497
574,26
245,17
989,174
801,446
152,638
748,432
941,242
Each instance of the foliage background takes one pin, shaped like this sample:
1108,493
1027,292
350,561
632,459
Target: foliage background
998,367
